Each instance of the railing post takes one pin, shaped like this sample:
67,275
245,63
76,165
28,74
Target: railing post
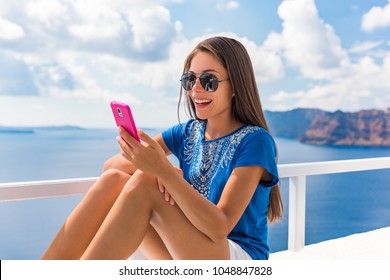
296,212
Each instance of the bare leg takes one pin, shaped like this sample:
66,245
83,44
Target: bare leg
85,220
140,205
152,246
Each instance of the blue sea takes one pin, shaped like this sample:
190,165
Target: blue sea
337,205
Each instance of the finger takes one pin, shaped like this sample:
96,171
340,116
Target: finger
167,196
125,149
179,170
128,138
123,144
146,138
172,201
161,186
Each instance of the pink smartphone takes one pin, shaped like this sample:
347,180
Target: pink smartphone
124,118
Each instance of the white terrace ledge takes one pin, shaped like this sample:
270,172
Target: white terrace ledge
296,173
372,245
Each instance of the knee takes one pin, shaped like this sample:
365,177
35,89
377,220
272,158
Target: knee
110,182
120,163
115,162
114,176
141,184
108,164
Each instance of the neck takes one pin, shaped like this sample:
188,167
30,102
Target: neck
216,129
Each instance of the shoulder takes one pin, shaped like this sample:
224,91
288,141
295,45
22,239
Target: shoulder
258,139
259,148
257,133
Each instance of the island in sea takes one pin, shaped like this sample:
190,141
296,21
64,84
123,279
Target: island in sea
318,127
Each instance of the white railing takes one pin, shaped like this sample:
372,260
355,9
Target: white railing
296,173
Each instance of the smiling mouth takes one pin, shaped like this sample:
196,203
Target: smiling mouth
202,102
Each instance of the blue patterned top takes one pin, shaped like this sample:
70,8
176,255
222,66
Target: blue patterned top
207,166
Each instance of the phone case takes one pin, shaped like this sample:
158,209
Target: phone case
124,118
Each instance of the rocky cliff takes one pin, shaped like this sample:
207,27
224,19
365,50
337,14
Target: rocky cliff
291,124
312,126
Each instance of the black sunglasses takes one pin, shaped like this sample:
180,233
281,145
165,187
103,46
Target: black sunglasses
208,81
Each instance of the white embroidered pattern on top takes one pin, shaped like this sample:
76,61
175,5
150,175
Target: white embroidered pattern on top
205,157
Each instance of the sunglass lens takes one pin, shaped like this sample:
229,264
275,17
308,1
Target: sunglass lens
209,82
188,81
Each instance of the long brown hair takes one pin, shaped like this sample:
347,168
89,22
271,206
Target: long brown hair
246,102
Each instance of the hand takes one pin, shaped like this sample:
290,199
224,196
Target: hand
167,196
147,156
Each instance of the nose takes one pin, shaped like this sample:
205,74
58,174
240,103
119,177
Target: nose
197,85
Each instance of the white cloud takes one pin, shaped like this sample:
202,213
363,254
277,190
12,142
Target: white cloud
361,47
267,64
308,42
149,26
140,29
312,46
15,77
366,87
10,30
376,17
96,22
103,50
274,42
51,13
93,36
227,5
90,52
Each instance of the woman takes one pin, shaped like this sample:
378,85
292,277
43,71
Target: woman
219,203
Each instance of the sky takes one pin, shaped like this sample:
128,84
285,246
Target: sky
63,61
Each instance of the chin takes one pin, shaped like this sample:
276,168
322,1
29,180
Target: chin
201,116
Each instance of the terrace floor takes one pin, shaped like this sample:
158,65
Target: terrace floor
370,245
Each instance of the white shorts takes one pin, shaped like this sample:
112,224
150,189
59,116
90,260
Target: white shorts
236,252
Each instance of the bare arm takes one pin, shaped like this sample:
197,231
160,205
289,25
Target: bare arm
215,221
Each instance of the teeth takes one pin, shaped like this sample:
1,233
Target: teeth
202,100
